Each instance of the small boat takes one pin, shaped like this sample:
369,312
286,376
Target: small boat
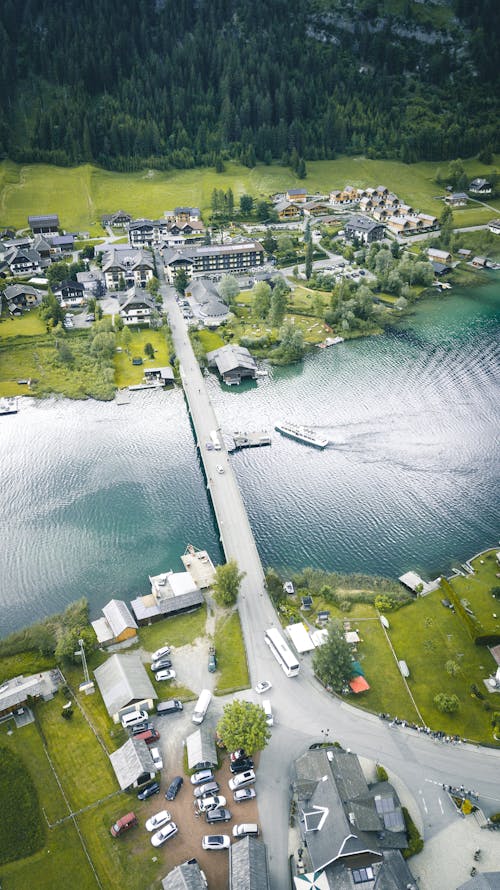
8,406
289,588
302,434
330,341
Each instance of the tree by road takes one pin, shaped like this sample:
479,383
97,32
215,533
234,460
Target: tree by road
243,725
181,281
227,583
332,662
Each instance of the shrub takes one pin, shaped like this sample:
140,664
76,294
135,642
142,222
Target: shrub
345,605
381,774
415,842
447,704
23,825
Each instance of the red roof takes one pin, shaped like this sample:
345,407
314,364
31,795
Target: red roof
358,684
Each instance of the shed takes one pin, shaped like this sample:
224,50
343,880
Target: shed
300,637
201,750
117,625
248,865
163,375
132,764
352,636
123,681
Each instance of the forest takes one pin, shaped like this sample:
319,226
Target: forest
180,84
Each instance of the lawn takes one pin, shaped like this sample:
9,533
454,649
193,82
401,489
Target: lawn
27,744
232,667
209,340
127,374
84,193
20,807
477,590
175,631
28,325
62,863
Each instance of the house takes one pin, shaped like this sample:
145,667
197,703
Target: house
19,692
161,375
456,199
428,221
133,764
23,261
171,594
43,247
201,749
440,269
21,297
141,232
123,682
117,220
187,214
248,868
296,195
351,831
61,244
93,283
480,187
287,209
124,267
211,309
136,306
494,226
484,880
439,256
234,363
406,210
71,293
187,876
238,256
480,262
116,626
315,208
44,225
346,196
464,253
360,228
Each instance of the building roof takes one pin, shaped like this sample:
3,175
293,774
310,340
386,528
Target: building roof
201,750
62,240
131,761
50,219
16,691
362,224
296,192
487,880
126,259
207,296
136,296
72,285
17,290
479,183
439,268
118,616
248,865
187,876
122,679
229,358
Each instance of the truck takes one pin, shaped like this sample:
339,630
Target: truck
201,706
214,436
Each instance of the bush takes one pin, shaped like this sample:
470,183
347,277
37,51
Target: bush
415,842
447,704
381,774
345,605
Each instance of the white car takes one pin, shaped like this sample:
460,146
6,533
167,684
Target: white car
168,674
263,687
158,820
203,775
216,842
211,803
157,758
242,779
164,834
244,794
163,650
219,468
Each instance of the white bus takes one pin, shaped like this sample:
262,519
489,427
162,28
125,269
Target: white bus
283,655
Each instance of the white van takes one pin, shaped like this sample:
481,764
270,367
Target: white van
133,718
201,706
266,704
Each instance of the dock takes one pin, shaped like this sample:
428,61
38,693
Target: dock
239,440
8,406
145,386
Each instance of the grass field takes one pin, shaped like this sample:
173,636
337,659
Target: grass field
127,374
175,631
61,863
20,807
80,195
232,668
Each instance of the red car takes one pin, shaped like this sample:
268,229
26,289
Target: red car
149,736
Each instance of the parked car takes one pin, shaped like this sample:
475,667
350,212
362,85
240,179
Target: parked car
211,803
164,834
160,653
248,829
242,794
157,758
219,815
158,820
240,766
123,824
203,775
134,718
149,736
206,789
161,664
166,674
148,791
263,686
215,842
174,788
239,754
164,708
141,727
242,779
212,660
90,317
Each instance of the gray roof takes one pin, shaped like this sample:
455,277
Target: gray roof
143,608
362,224
487,880
16,691
118,616
17,290
187,876
248,865
136,296
229,358
122,679
50,219
126,259
131,761
207,296
201,748
23,252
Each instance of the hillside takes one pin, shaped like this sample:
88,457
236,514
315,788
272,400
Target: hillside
192,82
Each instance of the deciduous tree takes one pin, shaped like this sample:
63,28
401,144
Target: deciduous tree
243,725
226,586
332,661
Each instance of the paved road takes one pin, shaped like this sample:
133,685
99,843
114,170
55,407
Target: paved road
303,711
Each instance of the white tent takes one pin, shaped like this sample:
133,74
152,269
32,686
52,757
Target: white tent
300,638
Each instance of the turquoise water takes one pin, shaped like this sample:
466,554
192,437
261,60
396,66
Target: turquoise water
95,497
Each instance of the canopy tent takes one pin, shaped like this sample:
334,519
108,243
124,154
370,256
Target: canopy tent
358,684
314,880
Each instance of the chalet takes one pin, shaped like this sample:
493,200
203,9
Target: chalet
494,226
136,306
346,196
315,208
127,267
61,244
43,247
365,204
117,220
133,764
171,594
117,626
457,199
406,210
440,268
240,256
380,213
382,191
23,261
44,225
439,256
234,363
20,297
296,195
187,214
428,221
123,682
480,187
464,252
287,209
71,293
360,228
400,225
141,233
211,309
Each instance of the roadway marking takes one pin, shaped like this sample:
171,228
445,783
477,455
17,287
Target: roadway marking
441,806
423,800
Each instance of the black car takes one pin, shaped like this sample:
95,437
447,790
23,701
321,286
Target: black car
239,766
175,787
148,791
141,727
161,664
219,815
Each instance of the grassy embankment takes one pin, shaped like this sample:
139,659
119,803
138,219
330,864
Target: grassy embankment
232,667
80,195
427,636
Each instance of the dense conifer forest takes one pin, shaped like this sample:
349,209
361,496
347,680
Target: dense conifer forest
180,83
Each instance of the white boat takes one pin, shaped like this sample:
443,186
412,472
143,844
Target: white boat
302,434
289,588
330,341
8,406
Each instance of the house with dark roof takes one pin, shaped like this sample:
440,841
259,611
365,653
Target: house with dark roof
171,594
126,266
61,244
70,293
23,261
44,225
299,194
133,764
232,258
136,306
124,684
456,199
480,186
117,220
187,876
360,228
117,626
248,868
234,363
20,297
43,247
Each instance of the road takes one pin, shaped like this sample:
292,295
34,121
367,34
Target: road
304,712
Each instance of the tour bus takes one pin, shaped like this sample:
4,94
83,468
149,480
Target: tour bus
282,653
201,706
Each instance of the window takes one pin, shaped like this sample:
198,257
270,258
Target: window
360,875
